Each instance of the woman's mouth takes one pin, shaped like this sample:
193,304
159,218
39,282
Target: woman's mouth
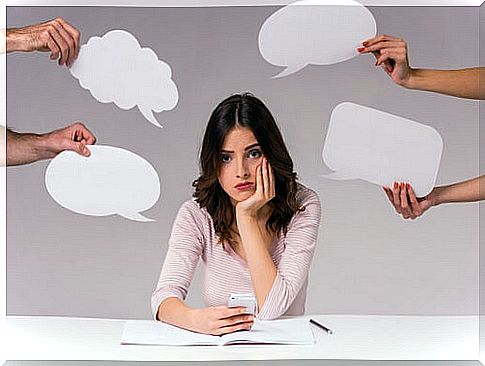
244,186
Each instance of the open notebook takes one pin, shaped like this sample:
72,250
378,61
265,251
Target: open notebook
283,331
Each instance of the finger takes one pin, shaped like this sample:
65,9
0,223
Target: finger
84,149
265,179
271,181
238,319
404,201
71,46
413,201
388,192
86,134
78,147
226,312
379,38
388,67
396,54
61,44
259,180
55,51
396,197
383,58
74,33
234,328
390,196
381,45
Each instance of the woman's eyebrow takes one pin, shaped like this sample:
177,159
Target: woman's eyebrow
251,146
245,149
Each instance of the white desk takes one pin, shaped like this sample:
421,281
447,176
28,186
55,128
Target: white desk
362,337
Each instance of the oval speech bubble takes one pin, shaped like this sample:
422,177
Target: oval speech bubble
115,68
381,148
111,181
316,32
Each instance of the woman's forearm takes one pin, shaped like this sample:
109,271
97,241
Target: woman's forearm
467,191
261,265
175,312
465,83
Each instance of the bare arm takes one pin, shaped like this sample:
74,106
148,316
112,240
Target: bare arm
467,191
255,243
463,83
25,148
391,54
261,265
174,311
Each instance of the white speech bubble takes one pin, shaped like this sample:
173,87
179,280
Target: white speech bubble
111,181
316,32
115,68
381,148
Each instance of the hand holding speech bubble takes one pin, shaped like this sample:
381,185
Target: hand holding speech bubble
315,32
115,68
111,181
381,148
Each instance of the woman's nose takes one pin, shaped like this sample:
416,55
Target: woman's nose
242,170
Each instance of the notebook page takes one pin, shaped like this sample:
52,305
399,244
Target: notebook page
151,332
282,331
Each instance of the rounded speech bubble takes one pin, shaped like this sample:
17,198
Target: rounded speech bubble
115,68
381,148
111,181
317,32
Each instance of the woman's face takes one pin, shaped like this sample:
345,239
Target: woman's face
239,157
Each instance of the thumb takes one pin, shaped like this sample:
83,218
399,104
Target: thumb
79,147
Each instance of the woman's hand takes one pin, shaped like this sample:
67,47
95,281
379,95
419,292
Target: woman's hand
391,53
405,202
265,192
219,320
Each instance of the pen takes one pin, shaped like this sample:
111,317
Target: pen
327,330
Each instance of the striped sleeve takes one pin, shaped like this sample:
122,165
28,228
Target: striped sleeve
294,266
184,250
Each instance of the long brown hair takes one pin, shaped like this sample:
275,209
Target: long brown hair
245,110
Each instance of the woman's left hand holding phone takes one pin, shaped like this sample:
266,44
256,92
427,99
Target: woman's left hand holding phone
219,320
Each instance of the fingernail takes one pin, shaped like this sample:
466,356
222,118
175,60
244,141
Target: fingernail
360,49
395,185
365,43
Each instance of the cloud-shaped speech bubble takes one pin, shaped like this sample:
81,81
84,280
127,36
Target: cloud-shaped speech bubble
317,32
111,181
115,68
381,148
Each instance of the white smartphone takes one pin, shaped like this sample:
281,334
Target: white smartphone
245,300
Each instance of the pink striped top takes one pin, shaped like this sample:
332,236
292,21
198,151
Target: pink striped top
225,272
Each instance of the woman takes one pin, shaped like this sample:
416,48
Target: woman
253,226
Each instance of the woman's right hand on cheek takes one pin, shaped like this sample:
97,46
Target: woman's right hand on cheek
219,320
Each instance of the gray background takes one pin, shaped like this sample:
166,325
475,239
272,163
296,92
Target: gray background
368,260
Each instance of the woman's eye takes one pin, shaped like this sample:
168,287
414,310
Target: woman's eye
255,154
225,158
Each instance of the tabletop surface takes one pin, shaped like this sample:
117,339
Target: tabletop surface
357,337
